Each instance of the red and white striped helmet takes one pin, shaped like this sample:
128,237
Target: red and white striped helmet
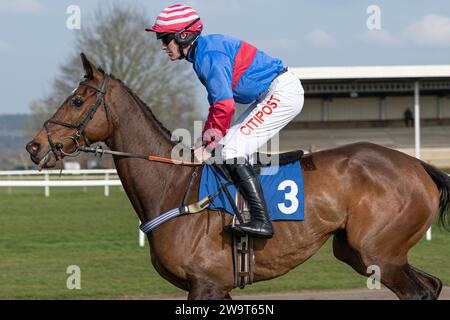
175,18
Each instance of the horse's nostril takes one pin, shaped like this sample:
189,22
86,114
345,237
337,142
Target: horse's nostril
33,147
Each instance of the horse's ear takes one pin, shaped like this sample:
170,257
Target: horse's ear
89,67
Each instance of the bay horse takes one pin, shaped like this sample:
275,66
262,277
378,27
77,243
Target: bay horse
376,202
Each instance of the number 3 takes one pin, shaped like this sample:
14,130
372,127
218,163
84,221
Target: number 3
291,196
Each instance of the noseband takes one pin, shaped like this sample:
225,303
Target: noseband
80,126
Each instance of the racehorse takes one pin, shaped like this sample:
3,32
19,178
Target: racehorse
376,202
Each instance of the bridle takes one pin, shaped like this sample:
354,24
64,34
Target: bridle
80,126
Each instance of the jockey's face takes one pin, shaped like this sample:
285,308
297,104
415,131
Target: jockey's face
171,48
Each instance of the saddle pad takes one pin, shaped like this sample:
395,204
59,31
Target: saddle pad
282,186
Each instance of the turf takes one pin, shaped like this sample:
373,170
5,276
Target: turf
40,237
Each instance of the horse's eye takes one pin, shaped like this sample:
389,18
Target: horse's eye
77,101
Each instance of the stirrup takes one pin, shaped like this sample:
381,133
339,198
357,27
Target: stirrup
233,228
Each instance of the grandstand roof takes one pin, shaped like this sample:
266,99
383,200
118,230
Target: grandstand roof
373,72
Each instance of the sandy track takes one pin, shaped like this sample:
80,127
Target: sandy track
346,294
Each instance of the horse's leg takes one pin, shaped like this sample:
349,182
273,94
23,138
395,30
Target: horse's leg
345,253
228,297
404,280
203,289
428,280
407,283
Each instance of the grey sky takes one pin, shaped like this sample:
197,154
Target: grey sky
34,39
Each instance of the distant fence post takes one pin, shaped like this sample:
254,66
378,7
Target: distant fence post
47,186
9,187
428,236
141,237
84,188
106,185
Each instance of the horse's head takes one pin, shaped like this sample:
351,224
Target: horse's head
83,118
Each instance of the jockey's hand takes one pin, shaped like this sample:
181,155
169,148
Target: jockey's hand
201,154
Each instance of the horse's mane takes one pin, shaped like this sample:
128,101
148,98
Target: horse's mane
142,104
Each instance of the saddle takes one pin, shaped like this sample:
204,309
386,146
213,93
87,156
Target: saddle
284,158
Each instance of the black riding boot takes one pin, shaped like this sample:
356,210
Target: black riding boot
260,225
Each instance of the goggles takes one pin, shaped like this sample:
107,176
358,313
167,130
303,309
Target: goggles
167,38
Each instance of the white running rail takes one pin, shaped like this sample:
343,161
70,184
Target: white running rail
15,178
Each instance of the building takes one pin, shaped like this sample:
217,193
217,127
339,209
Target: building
349,104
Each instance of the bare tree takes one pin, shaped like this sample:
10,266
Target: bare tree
114,38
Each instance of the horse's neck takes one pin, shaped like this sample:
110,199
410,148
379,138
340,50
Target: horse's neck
147,184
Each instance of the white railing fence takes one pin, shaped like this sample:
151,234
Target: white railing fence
15,178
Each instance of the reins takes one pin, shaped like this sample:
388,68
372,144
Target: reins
99,151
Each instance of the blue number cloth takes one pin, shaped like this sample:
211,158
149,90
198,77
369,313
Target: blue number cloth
282,186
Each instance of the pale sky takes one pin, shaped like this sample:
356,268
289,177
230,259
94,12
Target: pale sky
34,39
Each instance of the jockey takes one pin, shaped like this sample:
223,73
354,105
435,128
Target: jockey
234,71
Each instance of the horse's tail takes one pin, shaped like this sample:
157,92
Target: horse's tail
442,181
